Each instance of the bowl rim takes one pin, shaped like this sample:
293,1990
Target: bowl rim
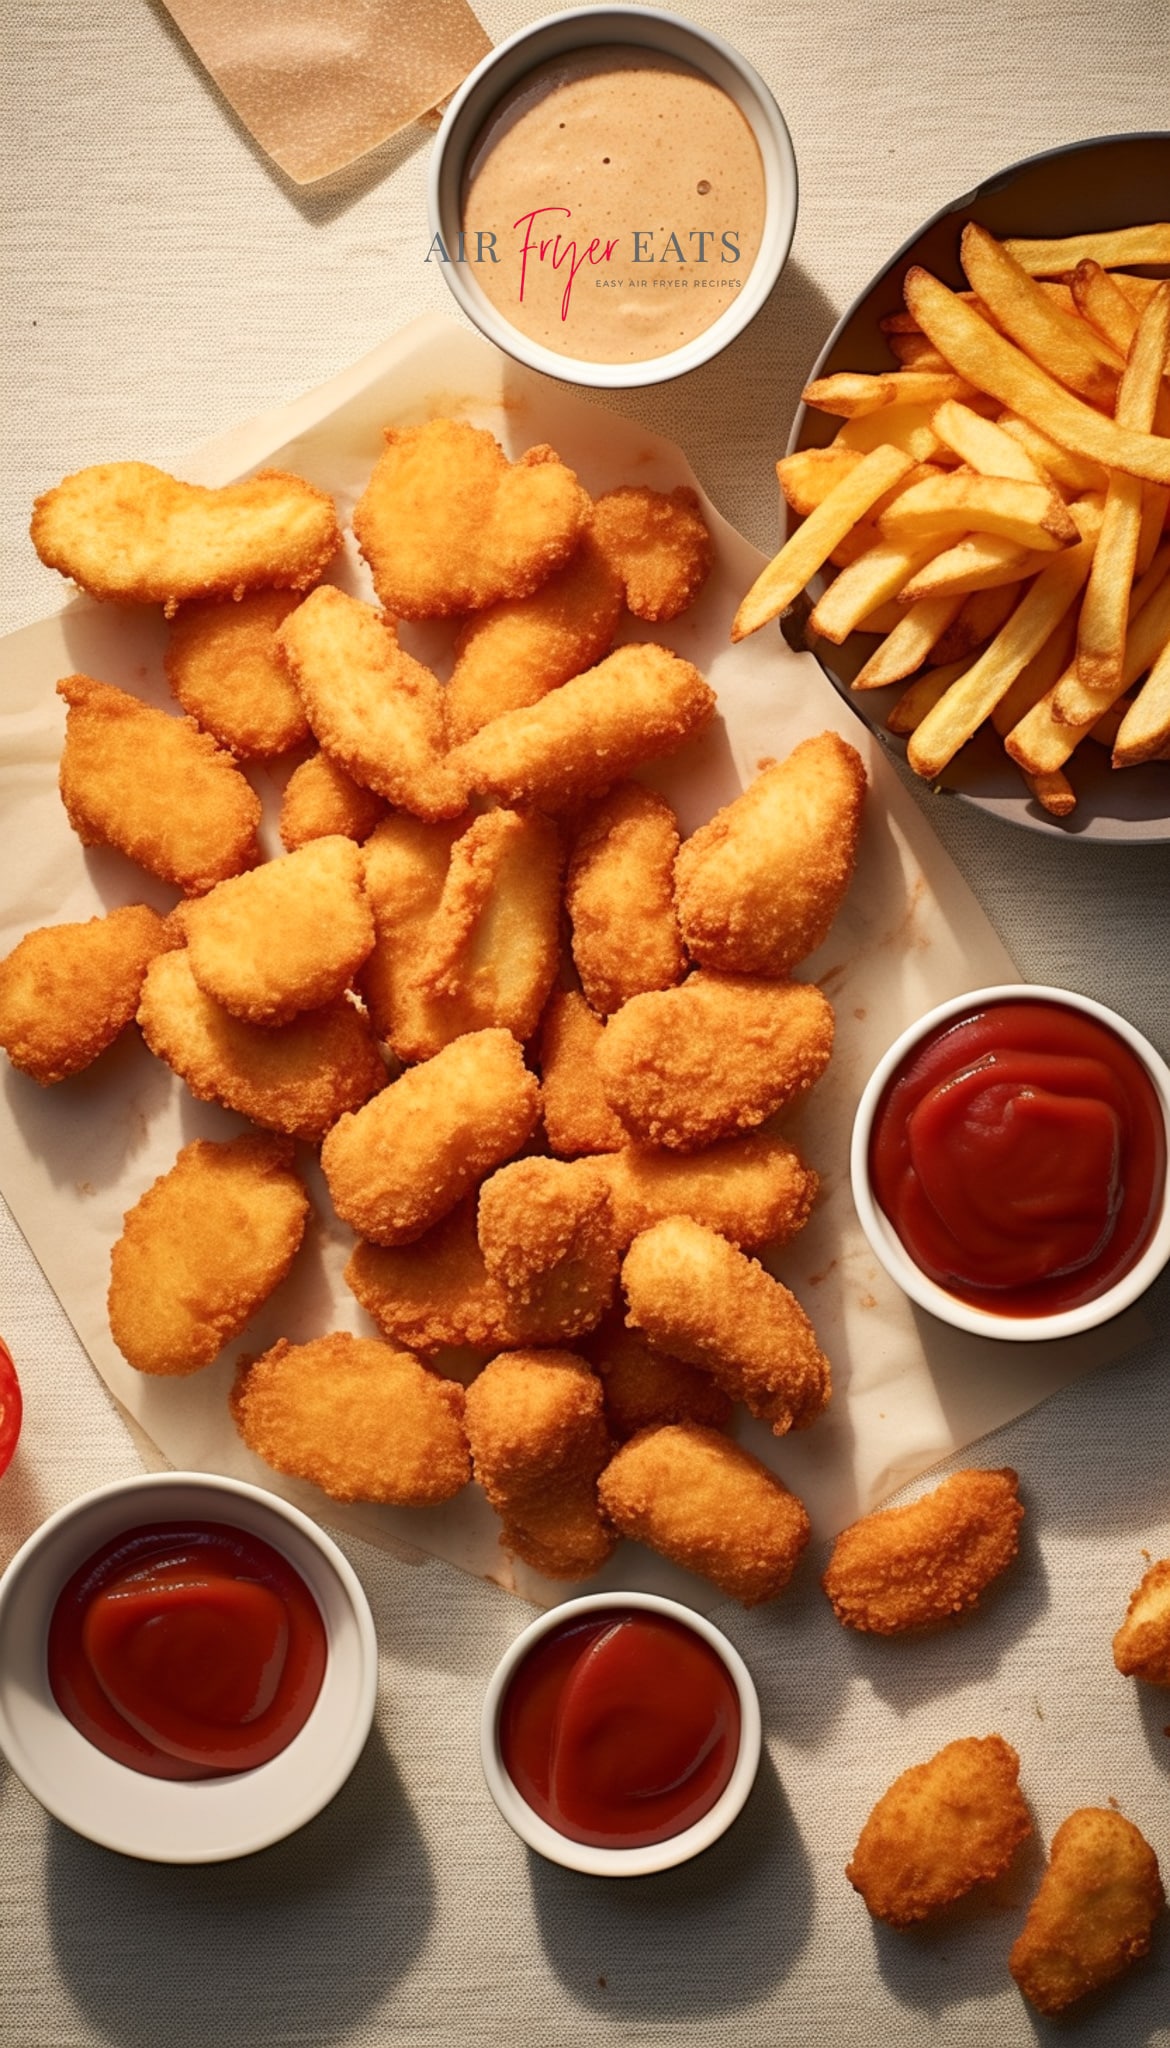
537,1834
887,1246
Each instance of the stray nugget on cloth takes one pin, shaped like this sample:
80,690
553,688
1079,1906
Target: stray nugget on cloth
1094,1913
155,787
513,653
752,1191
360,1419
644,1387
321,798
222,666
297,1077
545,1229
371,706
700,1298
536,1425
705,1503
287,937
619,894
400,1164
1141,1647
201,1249
759,885
489,952
943,1826
68,990
448,524
910,1567
658,543
126,531
713,1057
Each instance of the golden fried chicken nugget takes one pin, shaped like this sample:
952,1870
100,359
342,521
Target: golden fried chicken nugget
371,706
155,787
448,524
1094,1913
1141,1647
400,1164
577,1117
619,894
438,1291
287,937
688,1492
943,1826
321,798
759,885
640,702
297,1077
717,1055
700,1298
518,650
201,1249
126,531
536,1424
658,543
358,1418
68,990
546,1233
752,1191
222,667
404,865
909,1567
489,953
644,1387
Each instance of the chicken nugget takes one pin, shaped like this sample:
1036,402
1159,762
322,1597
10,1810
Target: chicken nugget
620,898
705,1503
943,1826
640,702
404,865
320,798
489,952
546,1233
287,937
126,531
703,1300
687,1065
222,667
1141,1647
759,885
1094,1913
68,990
201,1249
910,1567
513,653
644,1387
448,524
400,1164
658,544
297,1077
155,787
358,1418
437,1291
371,706
752,1191
577,1117
536,1425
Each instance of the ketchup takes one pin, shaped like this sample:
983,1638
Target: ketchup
187,1650
620,1729
1020,1154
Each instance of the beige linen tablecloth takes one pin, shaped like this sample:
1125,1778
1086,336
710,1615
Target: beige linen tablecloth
165,283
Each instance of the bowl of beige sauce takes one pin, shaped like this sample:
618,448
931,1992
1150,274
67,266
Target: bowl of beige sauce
612,196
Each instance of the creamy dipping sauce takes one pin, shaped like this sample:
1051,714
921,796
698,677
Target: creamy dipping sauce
625,195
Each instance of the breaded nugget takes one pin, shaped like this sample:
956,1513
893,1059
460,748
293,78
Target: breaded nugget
400,1164
910,1567
943,1826
705,1503
67,990
639,703
126,531
1141,1647
644,1387
438,1291
404,864
1094,1913
299,1077
536,1425
489,953
155,787
716,1056
360,1419
760,884
321,798
658,544
546,1233
370,705
448,524
753,1191
577,1117
619,894
513,653
222,667
703,1300
201,1249
287,937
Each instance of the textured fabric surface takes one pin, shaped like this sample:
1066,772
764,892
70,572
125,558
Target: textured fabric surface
163,282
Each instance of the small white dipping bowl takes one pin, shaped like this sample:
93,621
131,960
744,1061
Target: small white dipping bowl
207,1820
653,1856
583,28
888,1246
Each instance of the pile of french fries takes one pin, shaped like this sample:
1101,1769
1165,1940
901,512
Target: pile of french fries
995,507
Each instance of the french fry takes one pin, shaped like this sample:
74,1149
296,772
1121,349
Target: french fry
981,562
1103,303
1031,515
983,613
1037,676
923,694
810,546
851,395
982,445
1041,741
882,619
1053,792
1071,472
1145,729
906,648
1107,727
867,582
897,426
903,322
1112,250
1155,500
915,352
1062,343
807,477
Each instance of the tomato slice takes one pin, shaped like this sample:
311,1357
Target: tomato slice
11,1406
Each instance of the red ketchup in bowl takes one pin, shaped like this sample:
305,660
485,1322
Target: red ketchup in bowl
1020,1154
187,1650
